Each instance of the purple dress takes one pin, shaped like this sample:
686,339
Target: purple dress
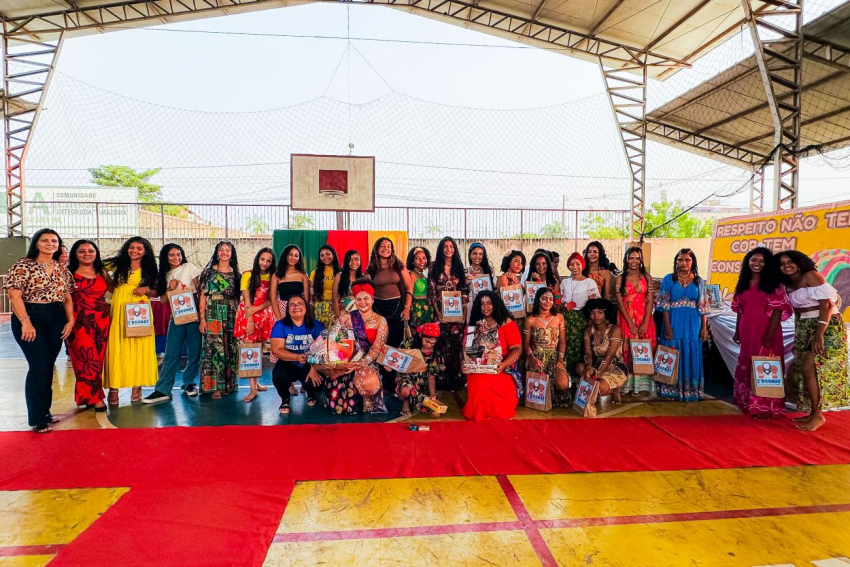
754,308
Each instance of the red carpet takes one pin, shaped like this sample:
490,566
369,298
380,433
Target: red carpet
215,495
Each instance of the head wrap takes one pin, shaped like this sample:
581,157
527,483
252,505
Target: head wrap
357,289
429,330
575,256
476,245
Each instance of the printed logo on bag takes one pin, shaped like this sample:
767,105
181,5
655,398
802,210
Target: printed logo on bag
641,354
513,301
768,374
481,283
664,363
536,392
137,316
250,358
183,304
585,389
397,360
531,292
452,307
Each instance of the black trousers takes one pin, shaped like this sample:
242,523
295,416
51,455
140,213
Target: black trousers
285,373
48,320
390,309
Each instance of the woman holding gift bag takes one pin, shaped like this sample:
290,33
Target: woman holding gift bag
684,305
544,344
494,396
176,274
87,342
447,274
635,302
131,361
761,305
217,312
412,389
39,288
541,272
820,340
575,291
344,391
418,260
254,316
603,349
513,265
479,266
322,280
352,269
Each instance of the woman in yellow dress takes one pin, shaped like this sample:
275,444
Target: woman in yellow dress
322,279
131,361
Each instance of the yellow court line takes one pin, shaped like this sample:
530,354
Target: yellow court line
393,503
742,542
47,517
26,560
565,496
509,548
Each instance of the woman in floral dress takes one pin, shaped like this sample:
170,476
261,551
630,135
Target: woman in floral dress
635,302
219,301
254,316
412,389
544,344
87,342
447,274
418,260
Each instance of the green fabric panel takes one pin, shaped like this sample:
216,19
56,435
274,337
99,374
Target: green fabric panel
309,241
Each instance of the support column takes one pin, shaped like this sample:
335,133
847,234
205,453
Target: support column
778,41
28,65
626,89
757,191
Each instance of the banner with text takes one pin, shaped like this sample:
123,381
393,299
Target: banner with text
822,232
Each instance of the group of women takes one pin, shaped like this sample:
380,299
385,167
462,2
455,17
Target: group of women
577,326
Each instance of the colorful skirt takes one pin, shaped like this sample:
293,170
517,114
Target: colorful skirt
421,312
340,396
417,384
263,323
831,366
323,312
574,326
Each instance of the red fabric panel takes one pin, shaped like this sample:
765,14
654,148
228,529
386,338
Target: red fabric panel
345,240
129,457
193,523
161,316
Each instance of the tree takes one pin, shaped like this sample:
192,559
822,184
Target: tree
658,213
554,230
301,222
257,226
433,230
123,176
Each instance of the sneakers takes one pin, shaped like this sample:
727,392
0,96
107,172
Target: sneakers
190,390
156,398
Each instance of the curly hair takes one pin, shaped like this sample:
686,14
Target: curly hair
769,279
440,261
500,313
165,265
412,254
319,273
604,262
121,263
550,276
506,260
395,263
802,261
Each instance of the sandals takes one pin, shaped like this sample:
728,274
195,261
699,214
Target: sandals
216,395
100,409
41,428
284,409
113,397
137,394
311,401
52,418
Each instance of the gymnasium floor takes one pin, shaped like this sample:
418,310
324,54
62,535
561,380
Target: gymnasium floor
647,483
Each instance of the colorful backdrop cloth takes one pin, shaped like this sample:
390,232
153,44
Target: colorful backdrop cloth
399,238
822,232
309,241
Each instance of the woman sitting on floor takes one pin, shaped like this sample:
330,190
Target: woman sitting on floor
493,395
413,388
603,349
291,339
360,379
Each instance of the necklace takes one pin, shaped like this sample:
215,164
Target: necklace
547,321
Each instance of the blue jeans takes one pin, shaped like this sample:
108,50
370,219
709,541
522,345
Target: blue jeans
177,336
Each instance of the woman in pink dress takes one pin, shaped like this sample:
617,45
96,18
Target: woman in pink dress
761,304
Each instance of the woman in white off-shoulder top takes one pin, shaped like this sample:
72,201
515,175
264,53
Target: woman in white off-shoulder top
820,343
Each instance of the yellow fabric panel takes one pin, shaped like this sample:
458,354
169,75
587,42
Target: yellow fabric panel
398,237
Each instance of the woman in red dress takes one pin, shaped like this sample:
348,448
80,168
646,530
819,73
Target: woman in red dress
494,395
635,302
87,341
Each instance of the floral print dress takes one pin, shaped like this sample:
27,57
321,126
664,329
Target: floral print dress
87,342
544,346
418,383
219,347
634,301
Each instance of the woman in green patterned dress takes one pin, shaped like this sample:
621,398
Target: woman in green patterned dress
543,342
422,312
219,301
575,291
820,364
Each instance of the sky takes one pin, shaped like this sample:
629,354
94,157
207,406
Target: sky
450,114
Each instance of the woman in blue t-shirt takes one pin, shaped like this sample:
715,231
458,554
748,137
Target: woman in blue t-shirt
291,339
